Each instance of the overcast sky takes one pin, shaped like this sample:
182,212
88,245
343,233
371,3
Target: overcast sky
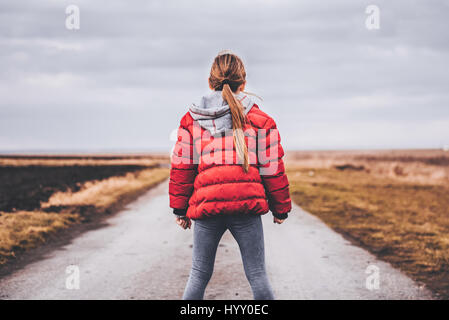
126,77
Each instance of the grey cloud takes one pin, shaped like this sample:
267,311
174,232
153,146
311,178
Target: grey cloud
126,77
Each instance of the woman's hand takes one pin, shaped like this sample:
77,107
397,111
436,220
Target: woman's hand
278,221
184,222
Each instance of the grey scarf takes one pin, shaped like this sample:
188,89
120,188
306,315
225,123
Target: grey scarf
213,113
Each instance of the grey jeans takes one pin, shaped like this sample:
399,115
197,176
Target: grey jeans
247,230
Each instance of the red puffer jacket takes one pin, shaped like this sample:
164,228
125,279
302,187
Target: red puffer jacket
206,179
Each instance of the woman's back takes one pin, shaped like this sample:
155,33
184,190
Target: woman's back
226,171
206,167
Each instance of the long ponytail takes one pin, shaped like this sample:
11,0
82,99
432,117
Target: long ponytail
238,123
227,74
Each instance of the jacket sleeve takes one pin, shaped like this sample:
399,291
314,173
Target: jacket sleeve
272,170
183,169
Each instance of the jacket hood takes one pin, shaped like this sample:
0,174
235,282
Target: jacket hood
213,113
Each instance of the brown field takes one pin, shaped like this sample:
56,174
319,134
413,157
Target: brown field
41,196
394,203
84,160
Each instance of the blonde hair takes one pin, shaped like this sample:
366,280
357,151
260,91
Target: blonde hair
227,74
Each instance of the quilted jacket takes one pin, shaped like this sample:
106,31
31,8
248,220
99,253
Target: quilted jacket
206,176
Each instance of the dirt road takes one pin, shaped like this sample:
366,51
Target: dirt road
142,254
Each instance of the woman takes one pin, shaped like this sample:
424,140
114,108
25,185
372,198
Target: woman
226,172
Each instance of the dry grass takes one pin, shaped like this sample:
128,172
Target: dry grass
87,160
404,221
104,193
22,230
417,166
